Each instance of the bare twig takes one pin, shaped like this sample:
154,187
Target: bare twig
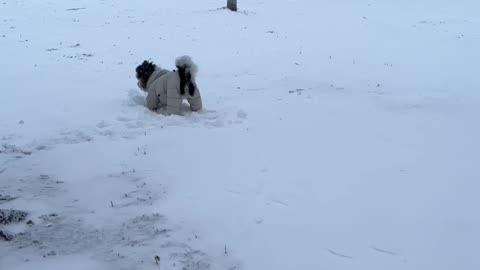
340,254
384,251
74,9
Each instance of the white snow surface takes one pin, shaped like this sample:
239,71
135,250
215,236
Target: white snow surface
335,135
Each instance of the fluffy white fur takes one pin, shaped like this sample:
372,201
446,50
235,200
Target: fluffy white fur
187,63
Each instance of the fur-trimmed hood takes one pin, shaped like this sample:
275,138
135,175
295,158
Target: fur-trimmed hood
159,72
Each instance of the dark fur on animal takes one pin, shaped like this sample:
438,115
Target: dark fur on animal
144,71
185,80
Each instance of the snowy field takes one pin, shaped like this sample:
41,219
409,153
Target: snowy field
335,135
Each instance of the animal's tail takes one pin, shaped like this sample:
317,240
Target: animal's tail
187,71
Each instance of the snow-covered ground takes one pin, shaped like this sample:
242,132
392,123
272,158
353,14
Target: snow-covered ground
336,135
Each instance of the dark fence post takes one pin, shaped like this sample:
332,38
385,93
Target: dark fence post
232,5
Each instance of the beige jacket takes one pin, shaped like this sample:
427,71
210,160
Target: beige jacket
163,89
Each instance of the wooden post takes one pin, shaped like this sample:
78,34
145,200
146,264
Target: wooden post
232,5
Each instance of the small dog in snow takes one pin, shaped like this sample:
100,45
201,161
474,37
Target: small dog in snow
167,89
